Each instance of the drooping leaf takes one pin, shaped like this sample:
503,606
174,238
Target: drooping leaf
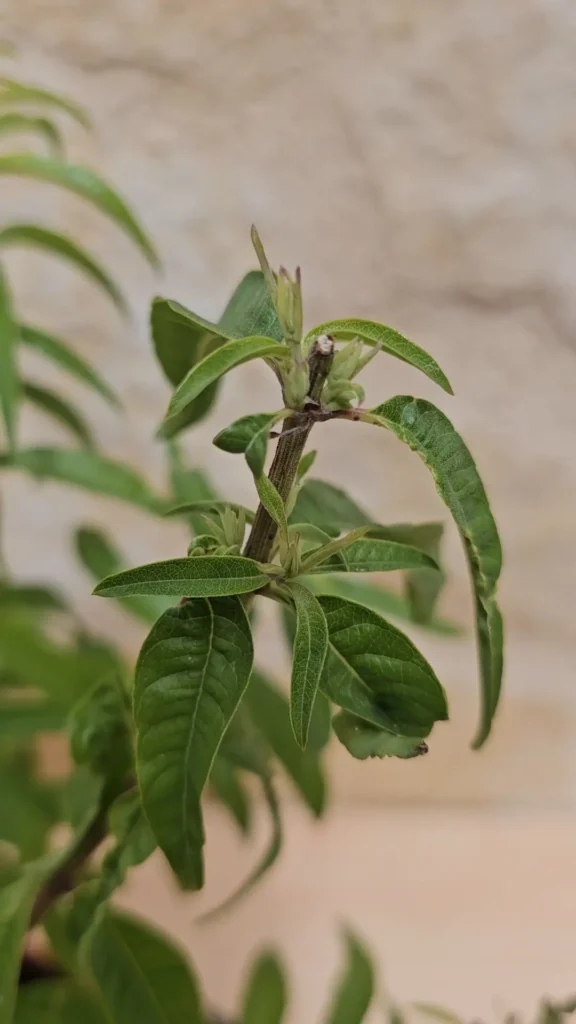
429,433
214,366
249,436
201,576
100,734
191,674
227,784
374,671
142,976
273,504
90,471
368,555
99,556
14,92
16,902
9,382
59,352
362,739
327,507
391,341
309,655
85,183
355,988
15,122
60,1001
266,995
66,249
270,712
51,403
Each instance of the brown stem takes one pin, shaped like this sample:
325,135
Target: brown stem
289,451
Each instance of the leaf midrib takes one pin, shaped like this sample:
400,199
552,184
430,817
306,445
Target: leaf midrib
193,727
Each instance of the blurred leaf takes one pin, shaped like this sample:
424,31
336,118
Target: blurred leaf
17,92
29,806
31,597
58,1002
201,576
14,122
205,507
228,786
9,383
59,245
327,507
355,989
37,660
60,410
266,993
188,485
16,902
100,733
85,183
99,556
134,842
423,586
362,739
438,1013
23,717
65,357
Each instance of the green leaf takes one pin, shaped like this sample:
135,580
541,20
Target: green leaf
266,995
391,341
332,548
31,597
90,471
362,739
23,718
141,975
99,556
355,989
214,366
9,383
422,586
309,655
18,92
273,504
15,122
60,410
85,183
207,506
134,842
367,555
249,436
16,902
270,712
226,782
250,310
28,804
188,485
58,1002
181,338
305,464
201,576
35,659
59,352
65,248
374,671
429,433
438,1013
100,734
327,507
191,674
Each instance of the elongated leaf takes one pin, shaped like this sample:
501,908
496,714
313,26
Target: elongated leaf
438,1013
391,341
134,843
377,598
270,712
309,655
305,464
14,122
85,183
58,1002
191,674
249,436
181,338
355,989
273,504
266,995
214,366
362,739
202,576
51,403
100,734
142,976
429,433
23,718
327,507
59,352
18,92
31,597
332,548
99,556
375,672
227,784
65,248
9,383
367,555
16,902
207,506
250,310
88,470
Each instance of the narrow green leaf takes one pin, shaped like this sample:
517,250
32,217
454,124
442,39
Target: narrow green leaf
201,576
85,183
31,597
227,784
141,975
355,989
207,506
59,352
273,504
214,366
9,383
367,555
249,436
327,507
310,536
16,902
305,464
375,672
18,92
65,248
391,341
362,739
90,471
250,310
51,403
429,433
266,993
331,548
14,122
99,556
270,712
191,674
58,1002
438,1013
309,655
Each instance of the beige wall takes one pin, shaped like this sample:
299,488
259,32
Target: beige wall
418,157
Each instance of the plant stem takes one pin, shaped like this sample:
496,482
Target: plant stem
289,452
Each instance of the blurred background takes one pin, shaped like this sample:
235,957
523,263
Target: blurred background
418,159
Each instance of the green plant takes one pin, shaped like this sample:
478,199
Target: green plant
197,716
